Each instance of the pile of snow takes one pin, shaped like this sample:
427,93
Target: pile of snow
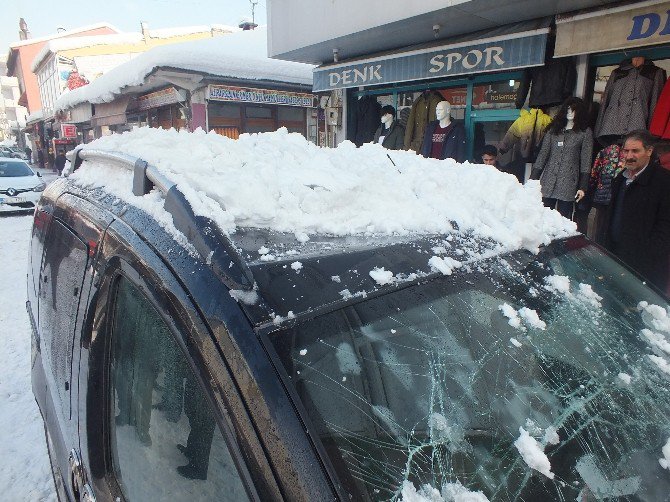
658,320
241,55
451,492
560,284
533,453
665,461
517,318
280,181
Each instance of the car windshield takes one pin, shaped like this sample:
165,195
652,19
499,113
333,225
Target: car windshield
532,377
14,169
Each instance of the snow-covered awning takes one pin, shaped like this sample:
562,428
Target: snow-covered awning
241,55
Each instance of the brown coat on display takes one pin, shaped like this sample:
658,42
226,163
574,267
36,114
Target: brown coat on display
423,112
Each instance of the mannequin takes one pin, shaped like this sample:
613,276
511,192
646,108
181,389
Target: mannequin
563,165
423,112
444,138
629,99
390,134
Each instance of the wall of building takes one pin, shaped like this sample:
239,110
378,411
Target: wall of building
24,61
294,23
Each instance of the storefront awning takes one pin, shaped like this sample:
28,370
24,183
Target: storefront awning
628,26
81,113
516,46
113,113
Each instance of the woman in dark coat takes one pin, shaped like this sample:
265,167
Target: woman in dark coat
563,165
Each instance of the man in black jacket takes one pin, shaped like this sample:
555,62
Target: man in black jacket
639,213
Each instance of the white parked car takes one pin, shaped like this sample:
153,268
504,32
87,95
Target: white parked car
20,186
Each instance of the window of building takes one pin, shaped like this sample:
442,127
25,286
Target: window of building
165,443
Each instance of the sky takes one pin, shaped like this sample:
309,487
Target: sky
45,16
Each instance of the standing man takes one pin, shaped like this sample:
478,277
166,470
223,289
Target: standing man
59,163
639,213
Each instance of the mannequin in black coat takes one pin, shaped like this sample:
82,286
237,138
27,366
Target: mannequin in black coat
366,112
391,133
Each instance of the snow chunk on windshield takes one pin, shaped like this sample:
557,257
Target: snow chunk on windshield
531,318
665,461
533,454
558,283
242,296
654,316
523,314
445,265
267,181
451,492
381,276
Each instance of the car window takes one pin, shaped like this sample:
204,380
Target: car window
531,378
165,443
11,169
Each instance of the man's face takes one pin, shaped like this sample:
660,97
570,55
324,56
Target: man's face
489,160
635,155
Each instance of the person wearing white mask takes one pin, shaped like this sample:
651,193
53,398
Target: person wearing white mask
563,164
444,138
390,134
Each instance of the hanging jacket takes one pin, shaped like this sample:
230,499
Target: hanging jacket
564,164
453,146
367,112
660,120
394,138
423,111
629,98
607,165
549,84
520,135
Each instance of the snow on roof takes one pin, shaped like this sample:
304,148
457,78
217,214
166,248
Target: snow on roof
280,181
64,44
66,33
240,55
35,116
190,30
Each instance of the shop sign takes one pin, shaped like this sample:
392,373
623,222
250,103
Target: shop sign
613,29
164,97
493,54
262,96
68,131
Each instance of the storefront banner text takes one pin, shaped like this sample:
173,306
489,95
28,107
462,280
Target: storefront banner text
156,99
613,29
261,96
458,59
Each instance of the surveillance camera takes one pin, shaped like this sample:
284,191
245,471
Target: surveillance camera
336,55
436,29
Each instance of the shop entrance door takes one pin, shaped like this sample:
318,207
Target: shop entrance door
489,128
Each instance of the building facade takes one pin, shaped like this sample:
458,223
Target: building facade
12,115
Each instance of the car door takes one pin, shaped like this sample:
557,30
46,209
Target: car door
153,421
71,241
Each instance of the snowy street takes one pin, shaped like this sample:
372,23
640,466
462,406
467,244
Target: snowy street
25,473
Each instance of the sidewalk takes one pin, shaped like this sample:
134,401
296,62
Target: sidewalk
47,174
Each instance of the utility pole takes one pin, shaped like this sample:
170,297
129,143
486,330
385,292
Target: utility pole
253,7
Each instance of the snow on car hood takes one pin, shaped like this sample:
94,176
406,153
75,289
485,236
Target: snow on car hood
280,181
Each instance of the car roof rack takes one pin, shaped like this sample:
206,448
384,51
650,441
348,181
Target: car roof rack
202,233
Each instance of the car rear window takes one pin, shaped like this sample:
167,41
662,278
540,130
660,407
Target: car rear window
11,169
529,378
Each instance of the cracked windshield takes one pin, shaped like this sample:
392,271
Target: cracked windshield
524,381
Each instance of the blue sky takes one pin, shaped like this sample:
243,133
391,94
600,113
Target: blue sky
45,16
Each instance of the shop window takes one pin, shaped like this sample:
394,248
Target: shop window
224,110
260,127
290,113
457,98
258,112
496,95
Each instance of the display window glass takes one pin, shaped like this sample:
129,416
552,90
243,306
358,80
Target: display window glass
495,95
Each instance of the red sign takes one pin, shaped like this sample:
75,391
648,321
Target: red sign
68,131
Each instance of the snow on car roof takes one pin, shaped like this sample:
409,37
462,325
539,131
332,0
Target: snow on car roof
241,55
281,182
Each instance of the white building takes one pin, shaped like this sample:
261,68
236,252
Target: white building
12,116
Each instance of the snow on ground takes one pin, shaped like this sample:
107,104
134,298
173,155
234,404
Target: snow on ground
25,473
282,182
